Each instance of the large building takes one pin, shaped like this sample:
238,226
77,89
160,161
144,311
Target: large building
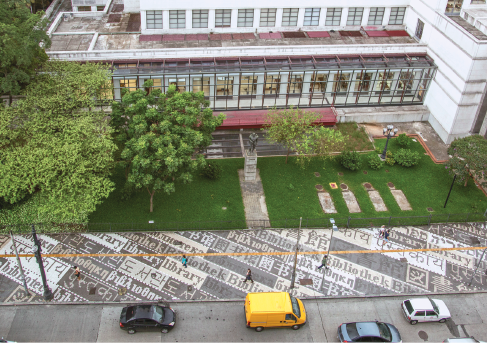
391,56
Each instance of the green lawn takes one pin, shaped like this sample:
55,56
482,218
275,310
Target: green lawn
290,190
201,200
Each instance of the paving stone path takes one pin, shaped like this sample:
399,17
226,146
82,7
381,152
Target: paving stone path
253,198
122,278
350,200
401,199
326,201
375,197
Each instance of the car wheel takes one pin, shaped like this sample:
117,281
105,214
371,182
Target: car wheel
442,320
413,322
295,327
131,331
259,328
164,330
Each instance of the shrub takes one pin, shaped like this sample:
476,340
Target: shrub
375,162
350,160
407,158
403,140
378,150
390,161
212,170
290,187
389,154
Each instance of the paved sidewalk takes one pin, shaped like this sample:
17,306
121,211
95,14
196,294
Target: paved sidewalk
128,278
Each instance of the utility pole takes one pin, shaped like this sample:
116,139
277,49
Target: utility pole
22,276
36,249
296,254
475,272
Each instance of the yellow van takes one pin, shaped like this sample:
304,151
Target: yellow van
273,309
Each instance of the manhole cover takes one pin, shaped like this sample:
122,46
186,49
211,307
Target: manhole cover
333,185
317,174
340,174
390,184
403,259
319,187
190,288
122,291
429,209
343,186
423,335
92,290
305,282
387,170
178,243
365,171
367,185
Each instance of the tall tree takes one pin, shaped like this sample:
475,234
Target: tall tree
161,134
53,143
293,128
23,40
288,127
469,157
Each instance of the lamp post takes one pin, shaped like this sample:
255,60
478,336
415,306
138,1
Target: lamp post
36,249
388,132
335,228
477,267
296,255
451,187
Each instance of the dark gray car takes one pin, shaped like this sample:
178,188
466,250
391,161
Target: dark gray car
368,332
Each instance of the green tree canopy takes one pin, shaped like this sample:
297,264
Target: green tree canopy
293,128
54,144
469,157
161,133
23,40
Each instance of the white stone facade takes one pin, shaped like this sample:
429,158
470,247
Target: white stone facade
456,98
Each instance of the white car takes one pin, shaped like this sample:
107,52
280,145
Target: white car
425,310
462,340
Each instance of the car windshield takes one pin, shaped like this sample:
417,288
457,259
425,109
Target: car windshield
435,307
352,331
295,305
158,313
385,332
409,307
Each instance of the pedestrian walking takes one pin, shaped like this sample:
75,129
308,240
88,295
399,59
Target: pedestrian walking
323,262
382,231
77,272
248,276
184,261
386,236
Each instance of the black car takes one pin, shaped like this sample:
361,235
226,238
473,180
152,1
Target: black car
147,317
368,332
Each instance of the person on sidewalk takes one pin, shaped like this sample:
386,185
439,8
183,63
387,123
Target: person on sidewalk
386,236
77,272
184,261
248,276
323,262
382,232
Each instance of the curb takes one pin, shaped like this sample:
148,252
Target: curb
126,303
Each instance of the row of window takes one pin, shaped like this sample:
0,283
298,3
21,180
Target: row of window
223,17
284,89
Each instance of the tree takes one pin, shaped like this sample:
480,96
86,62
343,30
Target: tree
294,129
54,144
288,127
469,157
161,133
22,45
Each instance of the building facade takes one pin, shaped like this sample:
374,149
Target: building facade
310,54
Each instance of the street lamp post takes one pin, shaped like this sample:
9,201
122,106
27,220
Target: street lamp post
36,249
335,228
388,132
475,272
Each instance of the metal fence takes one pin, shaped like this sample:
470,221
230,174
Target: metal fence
348,222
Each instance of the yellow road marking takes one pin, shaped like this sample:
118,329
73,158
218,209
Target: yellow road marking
254,253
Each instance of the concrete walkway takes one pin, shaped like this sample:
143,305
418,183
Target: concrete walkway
225,256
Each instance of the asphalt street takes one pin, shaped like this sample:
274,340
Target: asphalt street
215,321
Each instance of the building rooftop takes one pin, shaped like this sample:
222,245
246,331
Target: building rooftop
118,31
469,27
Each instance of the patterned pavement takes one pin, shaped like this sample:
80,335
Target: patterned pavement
127,278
